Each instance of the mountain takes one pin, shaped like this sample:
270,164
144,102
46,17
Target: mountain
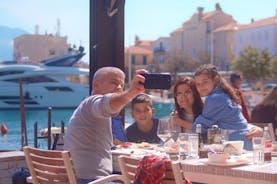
7,35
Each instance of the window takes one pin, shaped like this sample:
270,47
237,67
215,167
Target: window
35,79
58,88
133,59
240,39
161,46
266,34
144,60
259,35
51,52
10,72
161,59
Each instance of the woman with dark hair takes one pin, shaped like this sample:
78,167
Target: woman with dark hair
188,103
266,110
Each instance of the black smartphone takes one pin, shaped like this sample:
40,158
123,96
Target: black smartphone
157,81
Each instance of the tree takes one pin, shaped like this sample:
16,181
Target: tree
252,64
179,61
154,67
265,64
273,66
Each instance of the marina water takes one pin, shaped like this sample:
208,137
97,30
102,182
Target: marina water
12,141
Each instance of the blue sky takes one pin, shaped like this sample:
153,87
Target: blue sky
149,19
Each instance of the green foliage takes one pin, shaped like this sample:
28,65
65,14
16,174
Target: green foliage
180,61
252,64
264,64
273,66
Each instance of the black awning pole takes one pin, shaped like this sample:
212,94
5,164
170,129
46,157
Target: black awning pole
24,140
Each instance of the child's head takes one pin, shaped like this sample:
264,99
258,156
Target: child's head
142,109
236,79
207,78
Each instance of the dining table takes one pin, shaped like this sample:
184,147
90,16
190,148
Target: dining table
242,172
238,170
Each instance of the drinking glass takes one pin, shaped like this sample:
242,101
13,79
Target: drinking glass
225,135
258,150
183,145
175,129
193,146
163,131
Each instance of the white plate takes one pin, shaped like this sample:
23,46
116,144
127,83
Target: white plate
229,162
128,152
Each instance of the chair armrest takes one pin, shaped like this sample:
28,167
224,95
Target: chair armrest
113,177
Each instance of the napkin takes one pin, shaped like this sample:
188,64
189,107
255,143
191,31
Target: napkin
151,170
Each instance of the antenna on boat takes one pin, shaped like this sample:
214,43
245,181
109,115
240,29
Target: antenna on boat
36,29
58,27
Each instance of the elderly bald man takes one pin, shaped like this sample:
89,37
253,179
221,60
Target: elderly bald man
89,135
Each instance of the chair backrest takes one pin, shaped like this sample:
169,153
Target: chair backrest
49,166
177,171
129,164
270,128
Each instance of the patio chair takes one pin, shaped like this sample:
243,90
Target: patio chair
177,172
52,166
129,164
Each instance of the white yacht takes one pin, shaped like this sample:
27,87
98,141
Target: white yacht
43,86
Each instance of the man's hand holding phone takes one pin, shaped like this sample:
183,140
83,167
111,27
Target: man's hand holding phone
157,81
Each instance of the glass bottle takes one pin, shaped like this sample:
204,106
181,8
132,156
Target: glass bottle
267,145
202,152
200,137
212,134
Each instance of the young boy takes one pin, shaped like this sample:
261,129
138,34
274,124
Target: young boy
144,129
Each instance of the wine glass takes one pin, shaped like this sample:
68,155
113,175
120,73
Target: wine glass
163,130
174,128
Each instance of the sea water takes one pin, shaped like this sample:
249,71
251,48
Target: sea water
12,140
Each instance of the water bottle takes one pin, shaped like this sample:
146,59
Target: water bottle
200,138
202,152
267,145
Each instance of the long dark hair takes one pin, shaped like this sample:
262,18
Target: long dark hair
271,98
198,103
223,85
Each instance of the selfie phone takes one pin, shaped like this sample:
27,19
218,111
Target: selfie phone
157,81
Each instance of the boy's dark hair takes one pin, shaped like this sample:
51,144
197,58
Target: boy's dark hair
235,76
142,98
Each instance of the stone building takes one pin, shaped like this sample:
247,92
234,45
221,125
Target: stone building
33,48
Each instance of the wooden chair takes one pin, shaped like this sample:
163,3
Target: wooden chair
177,172
51,166
270,128
129,164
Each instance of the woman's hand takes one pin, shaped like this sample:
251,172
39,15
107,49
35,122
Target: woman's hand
254,131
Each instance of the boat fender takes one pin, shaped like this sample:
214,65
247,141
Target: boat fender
4,129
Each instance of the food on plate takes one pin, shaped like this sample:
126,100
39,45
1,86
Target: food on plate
215,147
233,147
229,148
143,145
125,145
172,148
218,157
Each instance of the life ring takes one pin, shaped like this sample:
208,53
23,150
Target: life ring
4,129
